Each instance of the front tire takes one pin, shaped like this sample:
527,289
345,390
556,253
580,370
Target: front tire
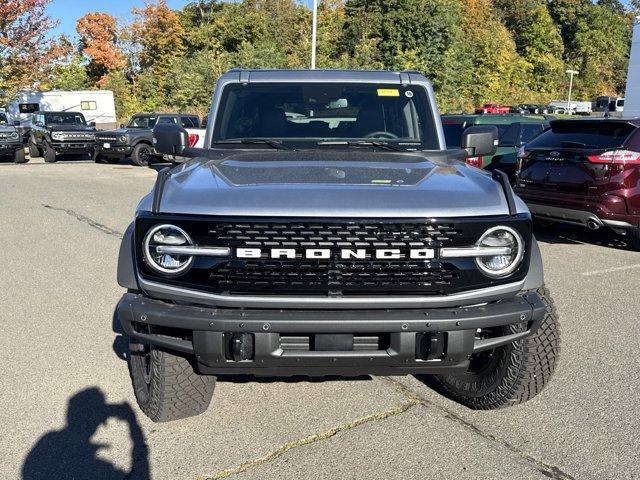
511,374
166,385
19,156
142,154
34,151
50,155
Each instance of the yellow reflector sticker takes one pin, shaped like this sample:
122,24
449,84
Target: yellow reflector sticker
388,92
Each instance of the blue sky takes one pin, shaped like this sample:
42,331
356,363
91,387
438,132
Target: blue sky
68,11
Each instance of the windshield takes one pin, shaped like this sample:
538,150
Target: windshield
3,119
65,118
312,113
142,122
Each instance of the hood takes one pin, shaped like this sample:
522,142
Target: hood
124,131
331,184
7,129
71,128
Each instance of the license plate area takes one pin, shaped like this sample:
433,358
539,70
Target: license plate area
106,145
334,342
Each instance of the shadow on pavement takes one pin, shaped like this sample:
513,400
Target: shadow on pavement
70,453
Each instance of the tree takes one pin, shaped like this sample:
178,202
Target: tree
98,42
71,76
27,56
161,35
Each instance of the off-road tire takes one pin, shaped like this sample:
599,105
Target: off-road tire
167,388
49,154
34,151
19,156
138,154
518,372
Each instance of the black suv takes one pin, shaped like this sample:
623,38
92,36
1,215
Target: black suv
135,139
10,141
54,133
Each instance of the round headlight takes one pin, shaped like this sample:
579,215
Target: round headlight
504,264
122,138
160,239
14,135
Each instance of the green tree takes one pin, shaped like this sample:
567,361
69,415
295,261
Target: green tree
71,76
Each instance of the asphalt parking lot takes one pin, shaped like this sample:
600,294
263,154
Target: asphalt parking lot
67,409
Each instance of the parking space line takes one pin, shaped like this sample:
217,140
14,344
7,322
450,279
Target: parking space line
611,270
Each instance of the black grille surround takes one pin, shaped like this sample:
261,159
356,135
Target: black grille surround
334,276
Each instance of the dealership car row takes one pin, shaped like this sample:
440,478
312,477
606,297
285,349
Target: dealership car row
584,172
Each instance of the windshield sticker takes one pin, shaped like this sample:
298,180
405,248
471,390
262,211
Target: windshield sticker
388,92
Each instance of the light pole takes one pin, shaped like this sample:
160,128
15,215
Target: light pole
314,34
571,73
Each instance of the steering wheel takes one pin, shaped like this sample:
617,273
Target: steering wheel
381,134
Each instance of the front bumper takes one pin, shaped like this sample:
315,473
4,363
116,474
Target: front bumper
73,147
9,148
114,150
605,210
319,343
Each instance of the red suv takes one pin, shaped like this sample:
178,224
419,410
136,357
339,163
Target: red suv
493,108
585,172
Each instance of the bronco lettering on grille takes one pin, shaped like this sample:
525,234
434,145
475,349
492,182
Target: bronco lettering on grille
343,254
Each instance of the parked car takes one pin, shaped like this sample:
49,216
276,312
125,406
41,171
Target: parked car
135,140
54,133
617,105
492,108
11,146
513,132
585,172
327,230
601,104
535,109
557,110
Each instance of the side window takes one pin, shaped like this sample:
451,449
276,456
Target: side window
634,141
530,131
189,122
88,105
28,107
167,120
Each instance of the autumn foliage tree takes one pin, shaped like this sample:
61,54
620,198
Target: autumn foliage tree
158,30
98,42
27,56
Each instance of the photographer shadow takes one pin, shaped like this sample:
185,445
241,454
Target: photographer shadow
70,452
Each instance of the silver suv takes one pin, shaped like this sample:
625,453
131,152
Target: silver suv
325,229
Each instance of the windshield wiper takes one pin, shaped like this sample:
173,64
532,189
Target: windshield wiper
253,141
364,143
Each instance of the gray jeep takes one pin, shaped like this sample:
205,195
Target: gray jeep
325,229
11,146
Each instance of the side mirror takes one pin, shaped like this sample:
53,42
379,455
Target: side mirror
170,138
92,124
16,123
480,140
122,125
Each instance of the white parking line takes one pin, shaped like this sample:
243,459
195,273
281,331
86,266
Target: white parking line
610,270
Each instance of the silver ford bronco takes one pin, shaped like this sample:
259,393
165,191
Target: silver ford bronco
325,229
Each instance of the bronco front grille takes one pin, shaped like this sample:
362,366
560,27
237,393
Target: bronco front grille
333,276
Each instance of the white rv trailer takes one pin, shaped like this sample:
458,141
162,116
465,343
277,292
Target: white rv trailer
96,105
632,96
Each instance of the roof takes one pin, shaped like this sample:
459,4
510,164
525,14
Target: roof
633,121
364,76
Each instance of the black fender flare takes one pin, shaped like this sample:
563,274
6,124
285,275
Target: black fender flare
126,261
137,142
535,277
